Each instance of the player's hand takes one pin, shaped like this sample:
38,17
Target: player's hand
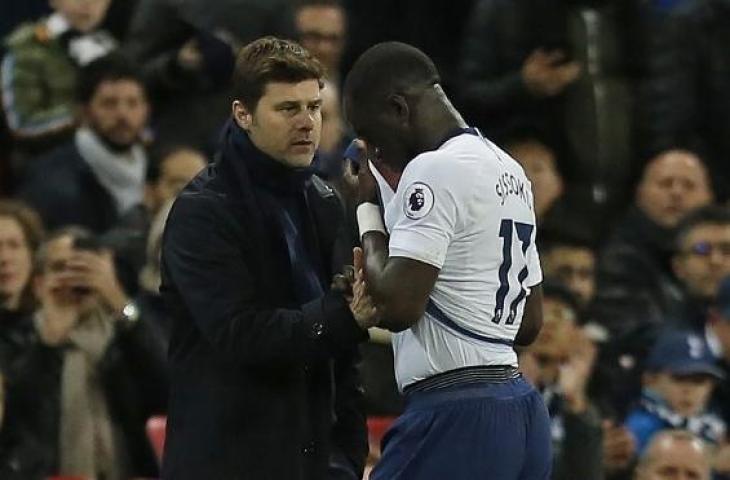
367,186
721,459
546,73
362,305
619,447
343,282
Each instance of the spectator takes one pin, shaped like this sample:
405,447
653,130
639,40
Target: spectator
20,234
41,66
187,61
701,261
322,29
678,382
636,286
175,169
717,333
683,102
99,176
540,164
87,388
674,454
573,263
562,360
564,66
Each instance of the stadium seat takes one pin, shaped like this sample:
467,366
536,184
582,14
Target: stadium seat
156,435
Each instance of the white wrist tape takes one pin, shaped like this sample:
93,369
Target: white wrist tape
369,219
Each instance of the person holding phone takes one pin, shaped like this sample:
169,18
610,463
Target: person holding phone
86,388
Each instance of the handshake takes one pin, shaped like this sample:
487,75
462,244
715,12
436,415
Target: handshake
352,284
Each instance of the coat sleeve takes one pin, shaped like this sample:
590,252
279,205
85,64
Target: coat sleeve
349,432
210,269
484,82
582,452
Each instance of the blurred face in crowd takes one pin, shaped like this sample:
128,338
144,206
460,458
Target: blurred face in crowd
286,124
83,15
16,262
674,184
118,112
333,125
321,30
540,168
703,259
553,345
573,266
669,458
54,275
687,395
176,171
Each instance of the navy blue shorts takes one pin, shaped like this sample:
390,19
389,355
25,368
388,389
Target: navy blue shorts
497,431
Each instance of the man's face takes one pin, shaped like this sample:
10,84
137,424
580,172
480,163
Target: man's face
321,30
176,170
83,15
674,184
287,122
686,395
704,259
15,261
539,164
58,254
575,267
118,112
675,460
552,346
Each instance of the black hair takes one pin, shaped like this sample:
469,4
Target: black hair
709,215
385,68
111,67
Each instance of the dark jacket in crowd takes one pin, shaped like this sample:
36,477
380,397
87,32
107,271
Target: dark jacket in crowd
684,100
64,190
264,383
134,377
219,28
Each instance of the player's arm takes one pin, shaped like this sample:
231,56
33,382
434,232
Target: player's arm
400,287
532,318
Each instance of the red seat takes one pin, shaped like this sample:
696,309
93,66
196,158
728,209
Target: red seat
156,434
377,426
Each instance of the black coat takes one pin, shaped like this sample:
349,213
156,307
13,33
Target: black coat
133,375
63,189
262,388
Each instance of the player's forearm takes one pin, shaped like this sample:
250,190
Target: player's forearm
398,311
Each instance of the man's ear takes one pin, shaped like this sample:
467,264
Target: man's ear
241,115
399,107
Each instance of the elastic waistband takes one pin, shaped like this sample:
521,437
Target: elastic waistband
463,377
512,388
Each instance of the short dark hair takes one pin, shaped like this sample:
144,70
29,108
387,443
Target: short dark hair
112,67
272,59
385,68
709,215
299,4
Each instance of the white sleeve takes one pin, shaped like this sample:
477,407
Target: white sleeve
426,214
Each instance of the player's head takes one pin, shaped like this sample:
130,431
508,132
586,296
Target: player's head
394,101
277,99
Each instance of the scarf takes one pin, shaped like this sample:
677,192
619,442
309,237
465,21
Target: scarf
705,425
122,174
83,48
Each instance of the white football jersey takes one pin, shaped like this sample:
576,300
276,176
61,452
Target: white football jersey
467,209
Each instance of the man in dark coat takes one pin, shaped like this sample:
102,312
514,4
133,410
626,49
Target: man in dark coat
262,352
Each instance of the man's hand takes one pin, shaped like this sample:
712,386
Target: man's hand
361,305
546,74
58,315
367,186
619,447
96,271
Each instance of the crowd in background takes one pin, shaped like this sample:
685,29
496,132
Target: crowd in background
618,110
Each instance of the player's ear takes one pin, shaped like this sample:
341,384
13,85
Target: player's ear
399,107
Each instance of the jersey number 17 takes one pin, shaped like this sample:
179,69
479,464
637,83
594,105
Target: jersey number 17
507,231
